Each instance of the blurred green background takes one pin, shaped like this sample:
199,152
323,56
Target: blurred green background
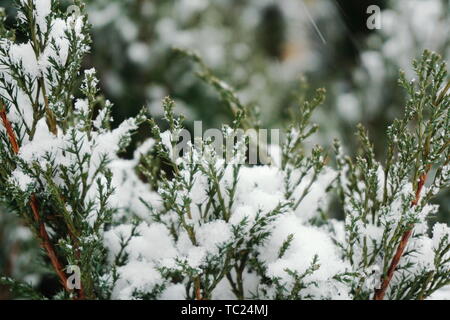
265,49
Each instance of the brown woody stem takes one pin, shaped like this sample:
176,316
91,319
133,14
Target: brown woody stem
380,293
43,235
47,245
9,130
197,288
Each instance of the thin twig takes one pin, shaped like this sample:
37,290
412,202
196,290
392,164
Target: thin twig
45,239
46,243
9,130
380,293
197,288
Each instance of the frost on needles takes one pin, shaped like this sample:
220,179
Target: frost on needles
200,227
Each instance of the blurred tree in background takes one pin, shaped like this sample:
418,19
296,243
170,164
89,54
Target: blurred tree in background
266,49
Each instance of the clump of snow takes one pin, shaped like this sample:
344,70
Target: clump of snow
21,179
136,276
81,105
213,234
441,294
308,242
24,55
260,188
43,10
174,292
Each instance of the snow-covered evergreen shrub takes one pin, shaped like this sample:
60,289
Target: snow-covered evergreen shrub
207,225
371,95
56,149
387,205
